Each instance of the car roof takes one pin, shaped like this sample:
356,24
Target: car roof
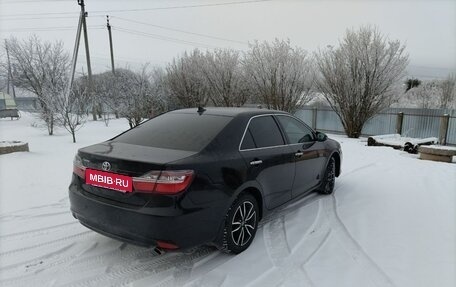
232,112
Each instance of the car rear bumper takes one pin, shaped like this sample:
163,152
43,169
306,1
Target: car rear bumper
140,226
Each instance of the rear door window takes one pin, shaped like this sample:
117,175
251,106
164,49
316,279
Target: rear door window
265,132
247,142
179,131
296,131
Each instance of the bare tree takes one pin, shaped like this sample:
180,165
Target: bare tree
425,96
3,71
225,78
137,100
105,90
448,98
185,80
159,92
279,75
71,107
41,68
358,77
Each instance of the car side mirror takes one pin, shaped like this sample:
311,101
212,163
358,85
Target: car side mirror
321,137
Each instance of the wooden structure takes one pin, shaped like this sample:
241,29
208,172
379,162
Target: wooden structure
437,153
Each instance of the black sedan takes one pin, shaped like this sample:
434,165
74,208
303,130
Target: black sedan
200,176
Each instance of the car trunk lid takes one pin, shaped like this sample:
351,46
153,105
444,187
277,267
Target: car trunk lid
128,160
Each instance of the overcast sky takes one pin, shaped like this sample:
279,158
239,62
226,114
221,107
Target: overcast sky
428,28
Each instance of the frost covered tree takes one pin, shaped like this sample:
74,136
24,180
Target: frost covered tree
3,71
185,80
358,77
41,68
159,92
71,106
431,94
106,92
280,76
425,96
448,97
224,78
138,98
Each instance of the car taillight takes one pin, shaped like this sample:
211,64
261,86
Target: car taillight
166,181
78,167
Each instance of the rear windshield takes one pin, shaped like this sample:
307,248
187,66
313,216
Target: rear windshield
190,132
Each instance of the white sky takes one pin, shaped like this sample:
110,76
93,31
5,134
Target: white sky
427,27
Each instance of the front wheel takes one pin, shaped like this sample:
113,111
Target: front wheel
241,224
329,179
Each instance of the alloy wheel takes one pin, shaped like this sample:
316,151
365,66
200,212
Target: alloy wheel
243,223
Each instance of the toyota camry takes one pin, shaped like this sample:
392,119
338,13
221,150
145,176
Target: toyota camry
200,176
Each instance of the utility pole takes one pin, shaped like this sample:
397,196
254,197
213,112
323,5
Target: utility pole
10,75
89,67
116,112
75,54
110,44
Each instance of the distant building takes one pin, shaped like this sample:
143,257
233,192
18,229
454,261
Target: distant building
7,101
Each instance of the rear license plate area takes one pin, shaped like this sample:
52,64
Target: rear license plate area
109,180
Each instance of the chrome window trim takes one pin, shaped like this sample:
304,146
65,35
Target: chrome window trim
276,146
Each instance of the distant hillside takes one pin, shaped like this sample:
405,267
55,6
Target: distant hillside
428,73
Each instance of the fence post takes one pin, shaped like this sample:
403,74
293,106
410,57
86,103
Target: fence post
443,131
399,120
314,118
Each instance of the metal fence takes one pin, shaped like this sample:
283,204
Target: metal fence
416,123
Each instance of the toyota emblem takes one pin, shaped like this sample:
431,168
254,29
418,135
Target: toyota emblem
106,166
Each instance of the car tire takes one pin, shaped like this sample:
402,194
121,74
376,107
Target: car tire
241,224
329,179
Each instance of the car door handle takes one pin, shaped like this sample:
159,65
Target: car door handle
256,162
299,154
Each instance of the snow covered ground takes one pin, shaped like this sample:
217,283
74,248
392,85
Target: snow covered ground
391,222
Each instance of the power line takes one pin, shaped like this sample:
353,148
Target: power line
33,1
55,28
181,31
140,9
181,7
164,38
120,59
49,17
38,14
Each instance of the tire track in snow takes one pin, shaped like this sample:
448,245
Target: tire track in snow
156,265
205,277
181,273
51,242
177,268
275,238
289,261
37,232
76,262
32,212
211,279
288,208
37,260
33,277
355,251
357,169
